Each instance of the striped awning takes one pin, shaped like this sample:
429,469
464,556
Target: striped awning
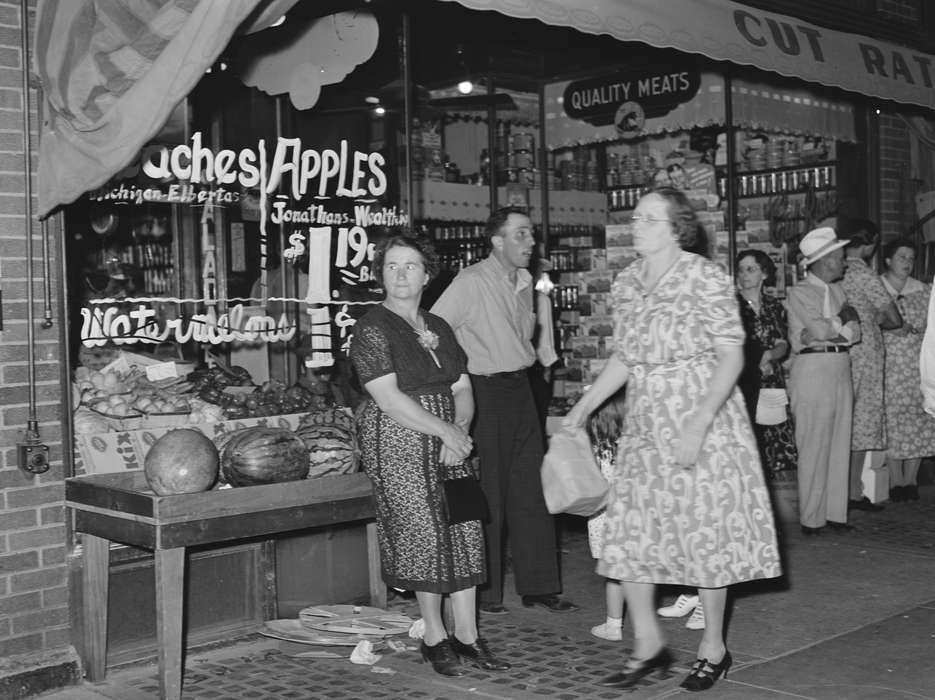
729,31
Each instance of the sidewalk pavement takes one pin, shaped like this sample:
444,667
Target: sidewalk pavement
853,618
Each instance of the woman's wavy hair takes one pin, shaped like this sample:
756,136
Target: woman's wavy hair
766,264
894,244
688,231
423,246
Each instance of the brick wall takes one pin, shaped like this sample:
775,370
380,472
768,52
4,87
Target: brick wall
34,610
897,189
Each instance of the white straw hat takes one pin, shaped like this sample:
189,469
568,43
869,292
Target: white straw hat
818,242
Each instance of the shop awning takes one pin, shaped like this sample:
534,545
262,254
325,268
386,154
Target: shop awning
113,71
729,31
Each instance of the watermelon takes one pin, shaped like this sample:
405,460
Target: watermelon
337,416
259,455
181,461
332,448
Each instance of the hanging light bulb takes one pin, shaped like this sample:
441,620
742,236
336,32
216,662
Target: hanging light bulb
466,86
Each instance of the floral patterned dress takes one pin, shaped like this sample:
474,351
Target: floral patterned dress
776,442
865,292
910,430
419,551
710,525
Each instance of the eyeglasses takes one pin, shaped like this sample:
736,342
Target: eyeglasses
396,267
641,218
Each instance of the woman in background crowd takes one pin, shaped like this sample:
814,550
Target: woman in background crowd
414,435
764,322
689,505
865,292
910,430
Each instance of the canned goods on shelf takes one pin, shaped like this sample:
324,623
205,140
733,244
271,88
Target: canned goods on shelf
523,142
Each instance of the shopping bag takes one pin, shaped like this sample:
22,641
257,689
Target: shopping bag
571,480
771,406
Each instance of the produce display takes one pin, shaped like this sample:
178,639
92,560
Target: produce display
204,395
181,461
204,411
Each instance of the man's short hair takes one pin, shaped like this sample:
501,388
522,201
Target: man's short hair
497,220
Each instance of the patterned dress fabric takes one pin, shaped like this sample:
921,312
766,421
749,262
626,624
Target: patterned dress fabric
910,430
776,442
709,525
865,292
419,551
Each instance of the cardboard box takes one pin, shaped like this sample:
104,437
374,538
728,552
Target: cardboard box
585,346
620,257
597,325
598,282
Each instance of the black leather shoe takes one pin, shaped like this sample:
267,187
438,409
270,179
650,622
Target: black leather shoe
840,527
635,670
897,494
810,531
864,504
704,673
911,492
492,609
552,603
477,654
443,658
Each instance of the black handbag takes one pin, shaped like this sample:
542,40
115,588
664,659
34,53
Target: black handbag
464,501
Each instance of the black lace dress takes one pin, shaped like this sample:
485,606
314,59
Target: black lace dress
776,442
418,550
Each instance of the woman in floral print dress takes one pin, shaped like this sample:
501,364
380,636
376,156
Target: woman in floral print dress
689,505
911,431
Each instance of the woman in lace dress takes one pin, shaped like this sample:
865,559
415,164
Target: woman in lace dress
689,505
764,322
414,435
910,430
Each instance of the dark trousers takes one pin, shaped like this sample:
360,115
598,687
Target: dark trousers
510,446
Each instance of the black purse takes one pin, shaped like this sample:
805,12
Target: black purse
464,501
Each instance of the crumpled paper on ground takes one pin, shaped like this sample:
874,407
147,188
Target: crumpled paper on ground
363,654
417,629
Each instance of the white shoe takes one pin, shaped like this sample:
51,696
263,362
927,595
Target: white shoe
681,607
696,621
613,633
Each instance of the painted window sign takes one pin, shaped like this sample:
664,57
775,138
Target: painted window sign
327,203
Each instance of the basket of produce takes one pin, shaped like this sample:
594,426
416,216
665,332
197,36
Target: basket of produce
118,410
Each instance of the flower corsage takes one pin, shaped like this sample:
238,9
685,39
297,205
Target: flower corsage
429,340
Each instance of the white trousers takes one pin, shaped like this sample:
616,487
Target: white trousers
822,401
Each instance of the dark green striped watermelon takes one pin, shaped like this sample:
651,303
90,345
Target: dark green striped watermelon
258,455
332,449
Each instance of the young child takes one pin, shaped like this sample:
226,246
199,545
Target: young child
604,429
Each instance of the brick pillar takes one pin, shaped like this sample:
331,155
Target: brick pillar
35,628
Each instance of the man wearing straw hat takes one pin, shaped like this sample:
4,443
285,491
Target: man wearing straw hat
822,327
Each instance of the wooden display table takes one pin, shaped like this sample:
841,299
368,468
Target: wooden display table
121,508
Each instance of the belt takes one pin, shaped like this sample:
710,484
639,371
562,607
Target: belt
504,375
827,348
